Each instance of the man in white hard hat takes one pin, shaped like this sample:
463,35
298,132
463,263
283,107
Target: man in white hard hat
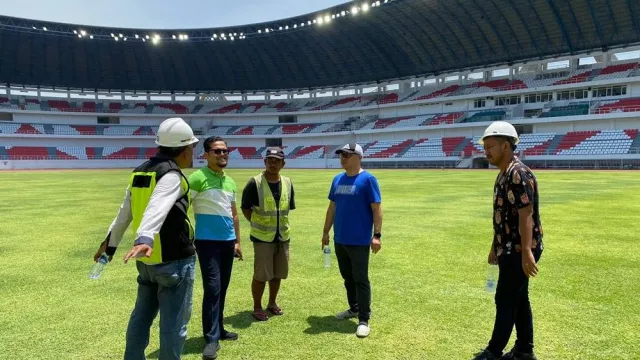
517,243
355,213
157,202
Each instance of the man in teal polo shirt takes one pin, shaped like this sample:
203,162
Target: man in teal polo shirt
217,238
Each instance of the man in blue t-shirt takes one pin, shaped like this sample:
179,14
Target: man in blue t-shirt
356,215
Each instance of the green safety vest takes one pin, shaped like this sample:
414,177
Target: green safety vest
264,218
175,239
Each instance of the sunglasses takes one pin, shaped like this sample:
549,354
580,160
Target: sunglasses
219,151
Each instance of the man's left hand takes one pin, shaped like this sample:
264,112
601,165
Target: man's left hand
375,245
138,250
529,263
238,252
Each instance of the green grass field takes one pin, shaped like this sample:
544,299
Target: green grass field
428,281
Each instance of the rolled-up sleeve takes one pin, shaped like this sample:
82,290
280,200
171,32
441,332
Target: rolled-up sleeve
167,191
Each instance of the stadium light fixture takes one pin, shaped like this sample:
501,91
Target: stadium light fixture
215,36
295,26
174,37
44,28
319,20
309,22
34,28
354,10
286,27
112,35
80,36
137,36
144,40
343,13
91,37
378,3
74,31
125,39
327,18
84,33
280,27
120,35
365,7
260,31
334,16
115,38
266,30
241,34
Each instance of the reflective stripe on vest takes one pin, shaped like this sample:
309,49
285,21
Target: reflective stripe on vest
264,218
141,186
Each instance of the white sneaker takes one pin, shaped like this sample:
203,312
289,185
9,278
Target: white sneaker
347,314
363,330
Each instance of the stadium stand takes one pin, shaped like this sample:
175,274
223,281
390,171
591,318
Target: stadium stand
410,97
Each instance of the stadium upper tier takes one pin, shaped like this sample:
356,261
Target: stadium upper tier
354,123
354,43
527,81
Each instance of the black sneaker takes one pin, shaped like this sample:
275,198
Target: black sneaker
485,355
228,335
210,352
514,354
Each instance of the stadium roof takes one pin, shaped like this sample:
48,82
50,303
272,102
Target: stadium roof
343,45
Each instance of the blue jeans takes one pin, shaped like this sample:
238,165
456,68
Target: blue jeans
167,288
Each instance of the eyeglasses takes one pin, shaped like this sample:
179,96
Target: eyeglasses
219,151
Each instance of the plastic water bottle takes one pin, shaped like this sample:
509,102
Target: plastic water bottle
97,268
327,256
492,278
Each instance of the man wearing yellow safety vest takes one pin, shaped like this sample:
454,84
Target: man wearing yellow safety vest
266,201
156,202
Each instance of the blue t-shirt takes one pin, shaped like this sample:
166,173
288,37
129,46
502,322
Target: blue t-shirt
353,195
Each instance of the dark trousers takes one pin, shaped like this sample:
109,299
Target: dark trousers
353,262
512,306
216,262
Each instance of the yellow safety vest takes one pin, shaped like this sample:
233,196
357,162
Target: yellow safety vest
264,218
175,239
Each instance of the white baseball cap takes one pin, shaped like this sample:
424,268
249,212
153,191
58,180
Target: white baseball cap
351,148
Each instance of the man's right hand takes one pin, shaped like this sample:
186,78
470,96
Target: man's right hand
325,240
493,259
101,249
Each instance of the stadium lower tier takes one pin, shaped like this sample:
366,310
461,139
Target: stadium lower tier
597,142
351,124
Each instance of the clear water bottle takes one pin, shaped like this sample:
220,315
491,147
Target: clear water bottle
327,256
492,278
97,268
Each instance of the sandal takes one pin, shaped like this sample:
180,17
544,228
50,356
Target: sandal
275,310
260,315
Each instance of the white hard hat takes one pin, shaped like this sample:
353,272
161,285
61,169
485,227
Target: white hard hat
500,128
175,132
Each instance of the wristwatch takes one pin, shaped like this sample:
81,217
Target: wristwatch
377,235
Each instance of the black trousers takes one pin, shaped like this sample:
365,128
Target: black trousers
512,306
216,262
353,262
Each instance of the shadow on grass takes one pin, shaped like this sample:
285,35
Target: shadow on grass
241,320
193,345
329,324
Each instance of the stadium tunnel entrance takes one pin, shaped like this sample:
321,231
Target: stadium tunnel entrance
480,163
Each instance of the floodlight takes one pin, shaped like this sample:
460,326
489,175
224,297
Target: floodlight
354,10
365,7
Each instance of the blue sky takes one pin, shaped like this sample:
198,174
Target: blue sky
162,14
